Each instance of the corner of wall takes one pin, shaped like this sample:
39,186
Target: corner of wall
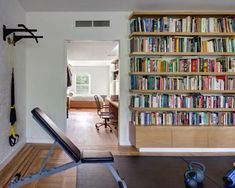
12,154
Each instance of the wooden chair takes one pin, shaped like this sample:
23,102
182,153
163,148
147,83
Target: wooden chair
104,113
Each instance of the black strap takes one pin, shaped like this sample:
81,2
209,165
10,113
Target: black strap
13,140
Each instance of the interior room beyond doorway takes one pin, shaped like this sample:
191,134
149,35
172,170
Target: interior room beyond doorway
94,70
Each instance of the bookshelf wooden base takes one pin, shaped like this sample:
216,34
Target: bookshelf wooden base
181,137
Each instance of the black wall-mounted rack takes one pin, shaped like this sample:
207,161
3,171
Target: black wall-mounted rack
16,38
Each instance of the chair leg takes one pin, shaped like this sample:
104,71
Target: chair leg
98,125
105,124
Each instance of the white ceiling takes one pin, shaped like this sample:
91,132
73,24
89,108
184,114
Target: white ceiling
125,5
92,53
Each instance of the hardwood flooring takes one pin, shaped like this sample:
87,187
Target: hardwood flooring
30,159
82,132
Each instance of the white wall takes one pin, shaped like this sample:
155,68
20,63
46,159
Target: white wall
11,14
46,62
99,78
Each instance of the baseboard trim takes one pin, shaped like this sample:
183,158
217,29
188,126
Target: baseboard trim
182,150
40,140
124,143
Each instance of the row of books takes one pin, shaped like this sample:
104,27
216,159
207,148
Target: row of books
182,83
183,118
182,101
187,24
156,64
182,44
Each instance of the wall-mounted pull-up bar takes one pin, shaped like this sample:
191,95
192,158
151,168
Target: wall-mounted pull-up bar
16,38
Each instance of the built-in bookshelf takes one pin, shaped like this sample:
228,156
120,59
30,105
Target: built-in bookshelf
182,79
114,71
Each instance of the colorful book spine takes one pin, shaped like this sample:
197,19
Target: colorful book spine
183,118
194,83
185,24
182,101
181,44
153,64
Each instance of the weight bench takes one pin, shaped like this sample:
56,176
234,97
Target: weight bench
78,158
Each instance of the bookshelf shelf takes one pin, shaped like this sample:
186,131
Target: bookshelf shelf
182,54
185,91
179,13
205,34
186,49
184,73
182,109
180,126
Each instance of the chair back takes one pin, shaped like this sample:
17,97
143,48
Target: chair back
98,106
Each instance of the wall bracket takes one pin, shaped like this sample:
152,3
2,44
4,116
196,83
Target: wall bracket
16,38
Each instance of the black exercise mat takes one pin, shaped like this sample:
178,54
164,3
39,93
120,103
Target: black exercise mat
152,172
216,167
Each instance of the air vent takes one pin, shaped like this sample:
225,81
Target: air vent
101,23
83,23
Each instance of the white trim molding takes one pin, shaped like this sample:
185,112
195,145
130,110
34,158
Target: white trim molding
186,149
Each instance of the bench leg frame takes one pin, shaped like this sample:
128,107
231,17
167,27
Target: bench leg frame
43,172
119,180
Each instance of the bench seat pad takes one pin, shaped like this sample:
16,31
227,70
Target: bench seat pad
97,157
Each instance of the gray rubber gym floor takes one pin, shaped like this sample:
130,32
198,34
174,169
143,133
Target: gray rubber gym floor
153,172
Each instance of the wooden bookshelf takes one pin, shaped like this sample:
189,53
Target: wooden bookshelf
114,83
186,135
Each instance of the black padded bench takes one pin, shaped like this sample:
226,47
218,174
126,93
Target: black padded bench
97,157
77,157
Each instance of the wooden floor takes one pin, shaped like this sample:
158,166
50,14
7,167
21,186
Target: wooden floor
82,132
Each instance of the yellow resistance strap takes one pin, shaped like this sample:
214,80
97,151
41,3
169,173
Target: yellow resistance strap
13,138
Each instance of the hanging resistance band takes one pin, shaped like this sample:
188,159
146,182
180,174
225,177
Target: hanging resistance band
13,137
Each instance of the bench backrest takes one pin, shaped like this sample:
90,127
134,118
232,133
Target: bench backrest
50,127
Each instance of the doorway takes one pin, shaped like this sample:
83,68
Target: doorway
94,70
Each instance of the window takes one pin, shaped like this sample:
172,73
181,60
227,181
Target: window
83,84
